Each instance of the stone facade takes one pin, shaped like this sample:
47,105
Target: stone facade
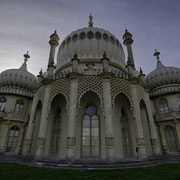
90,106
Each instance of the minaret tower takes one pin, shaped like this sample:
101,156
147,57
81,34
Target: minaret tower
127,37
54,38
90,24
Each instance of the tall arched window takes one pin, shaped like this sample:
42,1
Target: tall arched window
90,133
171,139
2,104
163,106
13,139
125,133
56,132
19,106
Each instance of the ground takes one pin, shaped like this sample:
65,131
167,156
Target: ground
21,172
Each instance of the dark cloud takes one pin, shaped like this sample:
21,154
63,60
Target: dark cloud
26,25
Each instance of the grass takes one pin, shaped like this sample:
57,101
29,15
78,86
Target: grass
20,172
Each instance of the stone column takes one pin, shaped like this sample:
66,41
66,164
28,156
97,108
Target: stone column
139,129
71,138
43,124
28,140
109,139
154,138
5,137
163,140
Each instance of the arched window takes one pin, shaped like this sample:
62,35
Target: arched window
13,139
171,139
125,133
19,106
56,132
163,106
90,133
2,104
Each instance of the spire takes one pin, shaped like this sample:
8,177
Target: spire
156,54
90,24
141,71
40,72
159,63
26,57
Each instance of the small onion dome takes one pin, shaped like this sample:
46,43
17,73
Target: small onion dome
163,76
20,79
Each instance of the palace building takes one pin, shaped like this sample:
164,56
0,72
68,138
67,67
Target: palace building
91,103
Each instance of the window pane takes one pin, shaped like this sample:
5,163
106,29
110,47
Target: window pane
95,140
56,132
86,140
86,131
86,151
94,131
86,121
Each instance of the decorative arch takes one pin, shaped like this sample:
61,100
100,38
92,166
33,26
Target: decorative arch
90,83
129,100
121,86
55,95
60,86
84,93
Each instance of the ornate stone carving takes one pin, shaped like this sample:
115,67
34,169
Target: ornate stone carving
61,86
90,83
118,86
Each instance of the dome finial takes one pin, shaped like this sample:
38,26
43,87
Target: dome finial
40,72
157,53
90,21
26,57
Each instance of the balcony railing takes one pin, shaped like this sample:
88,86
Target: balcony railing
14,116
173,115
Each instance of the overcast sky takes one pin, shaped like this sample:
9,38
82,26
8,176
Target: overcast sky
27,25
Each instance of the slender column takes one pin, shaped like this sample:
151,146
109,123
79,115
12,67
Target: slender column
71,138
139,128
43,123
28,140
127,37
154,139
163,140
4,138
108,117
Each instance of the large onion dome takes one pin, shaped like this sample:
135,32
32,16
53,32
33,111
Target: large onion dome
166,78
18,81
90,43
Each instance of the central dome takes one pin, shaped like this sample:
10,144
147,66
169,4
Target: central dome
90,43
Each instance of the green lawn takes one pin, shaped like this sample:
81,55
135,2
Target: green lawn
15,171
